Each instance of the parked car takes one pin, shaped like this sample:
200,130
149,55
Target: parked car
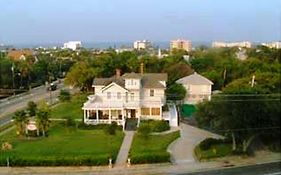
52,87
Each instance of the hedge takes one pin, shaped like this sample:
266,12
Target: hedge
215,150
150,157
98,126
55,161
157,125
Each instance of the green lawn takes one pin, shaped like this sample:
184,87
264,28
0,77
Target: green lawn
152,149
217,150
62,144
71,109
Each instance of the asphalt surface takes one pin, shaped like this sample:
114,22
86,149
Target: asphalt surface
12,104
263,169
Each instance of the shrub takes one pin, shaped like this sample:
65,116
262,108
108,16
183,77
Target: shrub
70,122
207,143
144,130
157,125
160,126
111,129
55,161
31,108
150,157
64,95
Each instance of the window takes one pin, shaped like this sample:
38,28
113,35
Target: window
132,96
108,95
151,93
145,111
155,111
126,96
118,95
132,82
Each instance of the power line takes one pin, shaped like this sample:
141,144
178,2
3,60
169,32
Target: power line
246,129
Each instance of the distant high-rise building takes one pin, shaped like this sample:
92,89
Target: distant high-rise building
73,45
245,44
181,44
144,44
276,44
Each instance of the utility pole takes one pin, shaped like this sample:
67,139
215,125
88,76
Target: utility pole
13,79
50,89
253,81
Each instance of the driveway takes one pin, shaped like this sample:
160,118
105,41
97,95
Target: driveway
182,149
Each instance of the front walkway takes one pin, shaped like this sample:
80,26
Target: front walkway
182,150
125,148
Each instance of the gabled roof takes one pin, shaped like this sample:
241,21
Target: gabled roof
151,80
113,84
16,54
148,80
195,79
106,81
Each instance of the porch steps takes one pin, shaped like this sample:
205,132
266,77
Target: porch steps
131,124
124,150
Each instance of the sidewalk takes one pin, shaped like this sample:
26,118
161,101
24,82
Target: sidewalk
166,168
124,150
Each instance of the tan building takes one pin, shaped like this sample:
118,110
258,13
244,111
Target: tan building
198,88
181,44
276,45
245,44
144,44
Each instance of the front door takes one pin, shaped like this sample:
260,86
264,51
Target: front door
133,113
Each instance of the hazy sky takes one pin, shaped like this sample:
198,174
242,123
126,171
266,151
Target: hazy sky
47,21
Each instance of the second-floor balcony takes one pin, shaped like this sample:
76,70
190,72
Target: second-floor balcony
98,102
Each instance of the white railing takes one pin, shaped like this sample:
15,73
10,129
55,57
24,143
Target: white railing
103,121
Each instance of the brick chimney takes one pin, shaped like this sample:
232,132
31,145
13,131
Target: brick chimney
118,73
141,68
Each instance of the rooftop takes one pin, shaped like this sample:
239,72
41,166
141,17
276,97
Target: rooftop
195,79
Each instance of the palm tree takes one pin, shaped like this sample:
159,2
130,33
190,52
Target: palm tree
21,120
43,121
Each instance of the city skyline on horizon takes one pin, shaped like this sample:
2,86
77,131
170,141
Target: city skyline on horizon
51,21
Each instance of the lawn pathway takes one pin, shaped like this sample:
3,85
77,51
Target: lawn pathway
125,148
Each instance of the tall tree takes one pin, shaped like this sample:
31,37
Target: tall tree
43,118
21,119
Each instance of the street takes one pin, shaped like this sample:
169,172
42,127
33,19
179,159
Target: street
263,169
10,105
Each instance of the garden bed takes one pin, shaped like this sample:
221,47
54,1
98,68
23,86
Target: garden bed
152,149
212,148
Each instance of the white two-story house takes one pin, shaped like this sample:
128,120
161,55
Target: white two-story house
198,88
132,95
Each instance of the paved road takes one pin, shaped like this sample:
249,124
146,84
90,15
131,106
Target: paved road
183,148
10,105
151,169
264,169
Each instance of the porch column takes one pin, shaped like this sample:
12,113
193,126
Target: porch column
84,115
123,119
88,114
139,116
161,112
97,115
109,115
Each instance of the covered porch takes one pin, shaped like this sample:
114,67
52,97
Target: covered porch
108,115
